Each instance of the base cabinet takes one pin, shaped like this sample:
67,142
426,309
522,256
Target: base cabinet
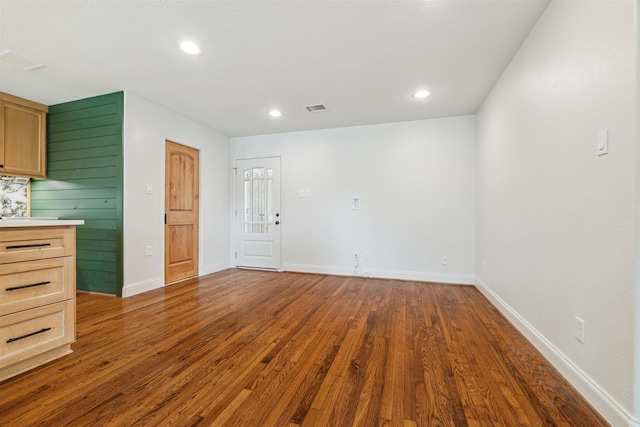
37,296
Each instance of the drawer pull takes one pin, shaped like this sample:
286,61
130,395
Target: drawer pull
15,288
10,340
34,245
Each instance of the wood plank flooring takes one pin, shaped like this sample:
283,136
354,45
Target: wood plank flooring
250,348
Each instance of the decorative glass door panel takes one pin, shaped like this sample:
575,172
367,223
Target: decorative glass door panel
258,213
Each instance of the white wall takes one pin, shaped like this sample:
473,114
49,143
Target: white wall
636,371
555,222
146,128
416,184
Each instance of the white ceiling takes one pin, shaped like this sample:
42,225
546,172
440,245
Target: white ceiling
361,58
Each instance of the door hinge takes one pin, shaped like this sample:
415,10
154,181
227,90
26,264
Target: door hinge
236,212
235,171
236,255
165,219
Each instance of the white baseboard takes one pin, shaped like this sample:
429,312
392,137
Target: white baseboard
304,268
602,401
140,287
458,279
214,268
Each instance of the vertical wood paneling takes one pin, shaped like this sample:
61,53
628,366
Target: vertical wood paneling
85,181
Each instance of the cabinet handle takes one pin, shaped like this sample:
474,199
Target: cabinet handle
15,288
34,245
10,340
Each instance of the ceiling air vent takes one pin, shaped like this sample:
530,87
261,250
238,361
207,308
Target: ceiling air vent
317,108
19,61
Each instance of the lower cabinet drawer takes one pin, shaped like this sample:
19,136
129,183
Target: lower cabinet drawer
24,285
30,243
30,332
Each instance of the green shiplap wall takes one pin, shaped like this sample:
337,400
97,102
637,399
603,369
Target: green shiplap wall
85,181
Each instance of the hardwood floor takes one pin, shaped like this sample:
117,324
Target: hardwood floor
250,348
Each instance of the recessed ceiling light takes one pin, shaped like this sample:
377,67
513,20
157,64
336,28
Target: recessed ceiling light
421,94
190,47
275,113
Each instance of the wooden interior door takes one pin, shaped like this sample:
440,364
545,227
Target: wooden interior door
181,212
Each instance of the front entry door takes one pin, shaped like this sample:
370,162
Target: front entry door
258,214
181,212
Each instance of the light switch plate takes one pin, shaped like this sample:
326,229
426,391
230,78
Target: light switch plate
355,203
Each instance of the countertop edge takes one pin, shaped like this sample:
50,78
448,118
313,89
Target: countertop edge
39,223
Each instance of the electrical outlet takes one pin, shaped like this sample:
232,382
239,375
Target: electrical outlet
356,256
445,260
484,267
148,250
579,331
367,256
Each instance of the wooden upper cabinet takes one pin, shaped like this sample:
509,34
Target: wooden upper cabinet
23,137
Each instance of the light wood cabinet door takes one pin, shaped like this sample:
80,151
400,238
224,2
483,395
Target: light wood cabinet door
23,139
28,333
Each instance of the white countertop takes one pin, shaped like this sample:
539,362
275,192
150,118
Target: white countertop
38,222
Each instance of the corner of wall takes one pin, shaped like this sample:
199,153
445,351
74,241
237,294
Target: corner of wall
636,370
